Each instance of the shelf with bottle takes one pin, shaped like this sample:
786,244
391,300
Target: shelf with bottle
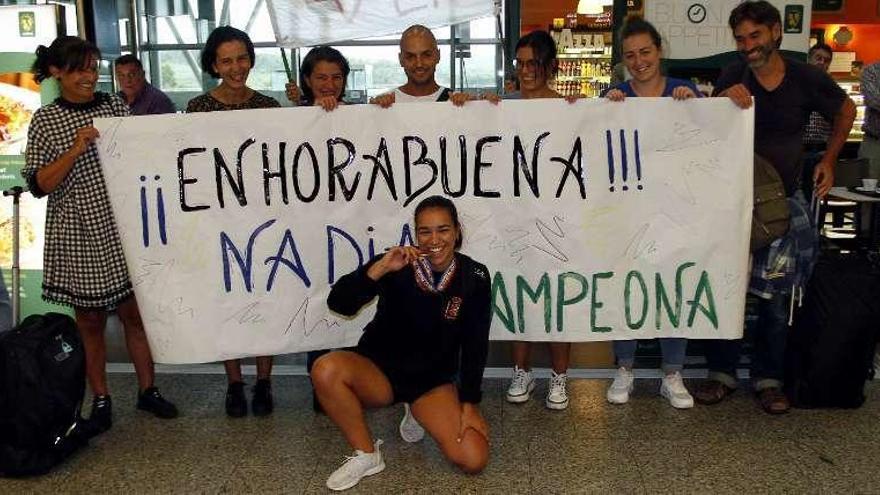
585,88
584,70
605,79
587,53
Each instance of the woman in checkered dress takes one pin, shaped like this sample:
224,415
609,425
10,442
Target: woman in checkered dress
229,56
83,264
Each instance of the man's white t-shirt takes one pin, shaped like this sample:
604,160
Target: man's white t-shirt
401,97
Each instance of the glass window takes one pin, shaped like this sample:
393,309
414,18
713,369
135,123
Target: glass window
170,29
171,25
381,69
439,33
257,24
174,29
178,70
479,70
268,73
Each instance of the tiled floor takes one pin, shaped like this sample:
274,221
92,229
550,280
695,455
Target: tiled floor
593,447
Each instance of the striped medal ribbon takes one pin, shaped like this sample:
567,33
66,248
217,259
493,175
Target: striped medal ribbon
425,277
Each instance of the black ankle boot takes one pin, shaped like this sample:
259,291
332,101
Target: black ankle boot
236,404
262,404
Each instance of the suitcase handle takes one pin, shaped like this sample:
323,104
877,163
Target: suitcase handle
14,298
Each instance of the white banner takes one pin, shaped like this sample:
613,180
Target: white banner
314,22
598,220
699,28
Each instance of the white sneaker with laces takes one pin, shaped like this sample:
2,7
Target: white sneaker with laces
356,467
674,390
557,396
521,386
621,387
410,429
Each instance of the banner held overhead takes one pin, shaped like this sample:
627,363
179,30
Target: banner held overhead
300,23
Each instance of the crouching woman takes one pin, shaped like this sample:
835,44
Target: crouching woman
426,346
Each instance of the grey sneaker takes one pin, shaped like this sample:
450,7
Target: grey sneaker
356,467
675,392
521,386
621,387
410,429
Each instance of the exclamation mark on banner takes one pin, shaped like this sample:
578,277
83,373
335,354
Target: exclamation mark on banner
160,206
610,159
638,160
623,162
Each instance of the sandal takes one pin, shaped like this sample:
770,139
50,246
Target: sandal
773,401
712,392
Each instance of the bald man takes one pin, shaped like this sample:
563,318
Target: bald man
419,56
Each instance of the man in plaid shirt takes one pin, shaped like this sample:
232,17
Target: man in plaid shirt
817,131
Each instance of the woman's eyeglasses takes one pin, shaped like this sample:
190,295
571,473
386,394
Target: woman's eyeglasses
530,65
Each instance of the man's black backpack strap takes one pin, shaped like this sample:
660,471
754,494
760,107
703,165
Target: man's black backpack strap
444,95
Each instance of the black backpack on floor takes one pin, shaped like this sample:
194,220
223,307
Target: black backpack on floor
831,345
42,381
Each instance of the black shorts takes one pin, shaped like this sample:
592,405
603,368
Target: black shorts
407,386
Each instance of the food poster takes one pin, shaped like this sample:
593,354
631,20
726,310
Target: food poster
20,97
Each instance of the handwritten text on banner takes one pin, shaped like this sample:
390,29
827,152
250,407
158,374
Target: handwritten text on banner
598,220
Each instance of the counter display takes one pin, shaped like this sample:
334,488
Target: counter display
584,62
853,89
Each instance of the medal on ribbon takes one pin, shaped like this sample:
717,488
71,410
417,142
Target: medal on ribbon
425,276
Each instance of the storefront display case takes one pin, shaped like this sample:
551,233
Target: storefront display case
853,89
584,50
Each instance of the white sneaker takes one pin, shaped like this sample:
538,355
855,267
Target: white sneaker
621,387
674,390
356,467
410,429
521,386
557,397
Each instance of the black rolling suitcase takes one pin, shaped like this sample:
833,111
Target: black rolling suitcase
831,344
42,381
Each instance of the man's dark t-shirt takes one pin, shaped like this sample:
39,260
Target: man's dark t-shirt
781,114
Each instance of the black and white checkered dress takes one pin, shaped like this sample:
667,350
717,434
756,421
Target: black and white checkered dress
83,262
